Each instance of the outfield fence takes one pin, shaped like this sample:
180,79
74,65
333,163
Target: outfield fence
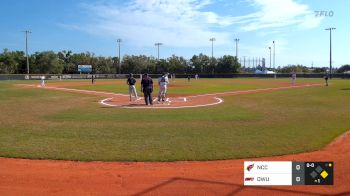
123,76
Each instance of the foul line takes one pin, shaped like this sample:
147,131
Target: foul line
103,102
255,90
76,90
219,100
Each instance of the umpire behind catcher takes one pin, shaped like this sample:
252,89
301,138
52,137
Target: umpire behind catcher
147,88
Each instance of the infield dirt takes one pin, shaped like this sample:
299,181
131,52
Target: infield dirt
43,177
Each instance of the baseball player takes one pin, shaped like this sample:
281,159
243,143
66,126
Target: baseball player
42,81
294,77
163,82
188,78
326,77
92,79
132,89
147,88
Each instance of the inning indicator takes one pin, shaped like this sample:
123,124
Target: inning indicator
288,173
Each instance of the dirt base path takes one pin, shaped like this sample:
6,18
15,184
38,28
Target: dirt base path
43,177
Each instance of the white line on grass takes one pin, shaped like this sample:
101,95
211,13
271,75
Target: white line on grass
103,102
85,91
254,90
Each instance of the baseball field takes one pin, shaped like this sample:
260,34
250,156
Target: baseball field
72,137
44,123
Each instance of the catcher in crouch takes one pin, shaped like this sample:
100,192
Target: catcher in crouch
163,82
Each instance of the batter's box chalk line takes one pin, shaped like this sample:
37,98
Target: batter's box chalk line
107,102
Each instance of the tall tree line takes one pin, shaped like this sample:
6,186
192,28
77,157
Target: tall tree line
66,62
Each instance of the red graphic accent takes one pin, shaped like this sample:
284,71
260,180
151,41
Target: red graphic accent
249,179
250,167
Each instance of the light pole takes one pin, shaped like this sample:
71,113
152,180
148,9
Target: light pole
236,40
274,54
212,47
119,65
270,56
330,50
244,61
158,44
27,32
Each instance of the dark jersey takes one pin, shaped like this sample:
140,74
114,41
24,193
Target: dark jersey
147,83
131,81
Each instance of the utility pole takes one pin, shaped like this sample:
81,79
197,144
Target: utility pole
330,50
212,47
158,44
27,32
244,61
236,40
119,64
270,56
274,54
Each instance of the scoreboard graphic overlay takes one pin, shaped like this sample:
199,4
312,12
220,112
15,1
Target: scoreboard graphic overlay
288,173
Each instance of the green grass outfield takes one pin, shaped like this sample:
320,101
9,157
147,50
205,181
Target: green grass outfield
46,124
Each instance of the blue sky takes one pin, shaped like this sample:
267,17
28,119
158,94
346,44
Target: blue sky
183,26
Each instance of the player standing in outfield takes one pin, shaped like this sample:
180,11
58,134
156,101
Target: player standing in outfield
163,82
147,88
326,77
42,81
131,81
92,79
294,77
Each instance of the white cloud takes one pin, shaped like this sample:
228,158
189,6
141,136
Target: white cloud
184,23
280,13
144,22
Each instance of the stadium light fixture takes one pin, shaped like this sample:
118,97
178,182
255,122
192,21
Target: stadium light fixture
26,33
330,50
119,64
244,61
270,56
212,47
274,54
236,40
158,44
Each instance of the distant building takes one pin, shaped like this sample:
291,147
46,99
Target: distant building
265,71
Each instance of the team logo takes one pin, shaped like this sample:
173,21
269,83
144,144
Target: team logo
249,179
250,167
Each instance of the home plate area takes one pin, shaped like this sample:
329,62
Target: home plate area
170,102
